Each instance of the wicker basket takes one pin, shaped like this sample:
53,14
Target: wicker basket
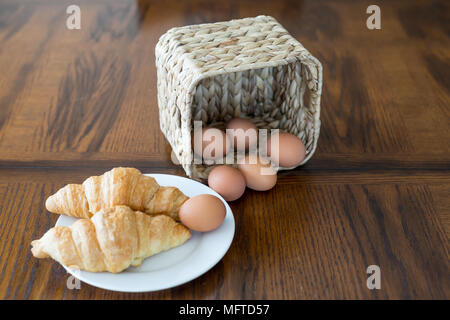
251,68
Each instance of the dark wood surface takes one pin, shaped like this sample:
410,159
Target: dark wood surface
77,103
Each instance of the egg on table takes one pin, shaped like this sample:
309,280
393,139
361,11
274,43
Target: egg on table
286,150
258,172
211,143
227,181
202,213
243,132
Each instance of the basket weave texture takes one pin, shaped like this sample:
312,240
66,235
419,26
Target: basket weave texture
250,68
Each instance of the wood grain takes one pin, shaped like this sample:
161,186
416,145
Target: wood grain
75,103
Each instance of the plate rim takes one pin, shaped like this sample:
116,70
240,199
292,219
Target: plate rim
172,285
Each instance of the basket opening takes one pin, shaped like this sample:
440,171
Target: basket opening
273,98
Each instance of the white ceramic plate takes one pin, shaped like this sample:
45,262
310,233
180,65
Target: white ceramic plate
175,266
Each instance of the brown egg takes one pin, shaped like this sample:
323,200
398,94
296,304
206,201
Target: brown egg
258,175
211,143
288,152
243,132
227,181
202,213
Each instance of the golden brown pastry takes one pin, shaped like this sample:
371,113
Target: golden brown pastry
168,201
112,240
119,186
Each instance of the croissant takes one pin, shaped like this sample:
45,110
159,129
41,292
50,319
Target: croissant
119,186
112,240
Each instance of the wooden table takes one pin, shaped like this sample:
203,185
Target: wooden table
75,103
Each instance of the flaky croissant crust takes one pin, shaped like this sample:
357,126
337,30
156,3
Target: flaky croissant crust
119,186
112,240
